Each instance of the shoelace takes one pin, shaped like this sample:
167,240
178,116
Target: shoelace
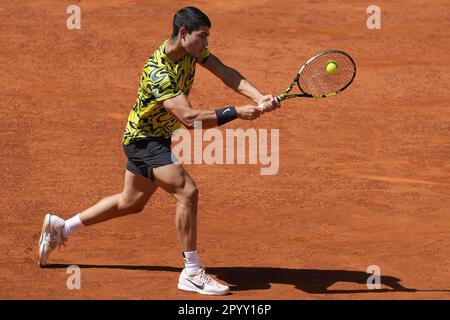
63,243
52,240
206,277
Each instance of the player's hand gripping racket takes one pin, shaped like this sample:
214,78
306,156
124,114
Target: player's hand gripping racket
324,75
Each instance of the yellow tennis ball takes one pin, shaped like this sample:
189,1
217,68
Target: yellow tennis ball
331,67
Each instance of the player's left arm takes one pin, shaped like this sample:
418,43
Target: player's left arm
234,80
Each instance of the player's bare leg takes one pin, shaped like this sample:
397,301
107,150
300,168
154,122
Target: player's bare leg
55,231
137,191
175,180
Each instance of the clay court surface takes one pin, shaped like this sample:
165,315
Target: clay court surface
364,177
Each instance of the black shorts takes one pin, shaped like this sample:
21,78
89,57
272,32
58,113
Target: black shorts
146,154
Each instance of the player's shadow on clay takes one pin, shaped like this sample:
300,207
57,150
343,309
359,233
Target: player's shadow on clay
307,280
254,278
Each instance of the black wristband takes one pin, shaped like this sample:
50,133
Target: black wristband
225,115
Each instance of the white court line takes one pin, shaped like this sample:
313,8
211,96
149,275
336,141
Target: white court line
399,180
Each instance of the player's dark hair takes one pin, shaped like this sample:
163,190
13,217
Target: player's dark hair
191,18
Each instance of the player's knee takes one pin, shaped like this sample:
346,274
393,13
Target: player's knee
189,195
191,192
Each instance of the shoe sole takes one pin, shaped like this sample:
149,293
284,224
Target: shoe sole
46,223
191,289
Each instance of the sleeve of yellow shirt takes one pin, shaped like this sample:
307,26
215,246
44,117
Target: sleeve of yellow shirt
204,56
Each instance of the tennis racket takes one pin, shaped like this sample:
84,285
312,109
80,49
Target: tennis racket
318,78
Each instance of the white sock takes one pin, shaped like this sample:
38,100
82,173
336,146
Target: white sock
71,225
191,262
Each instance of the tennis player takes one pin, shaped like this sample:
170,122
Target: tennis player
161,106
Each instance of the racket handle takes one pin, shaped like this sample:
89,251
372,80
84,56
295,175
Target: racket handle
261,106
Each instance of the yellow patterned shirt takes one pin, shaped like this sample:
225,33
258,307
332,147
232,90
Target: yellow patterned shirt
161,79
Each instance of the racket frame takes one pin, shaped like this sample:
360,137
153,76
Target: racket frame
285,95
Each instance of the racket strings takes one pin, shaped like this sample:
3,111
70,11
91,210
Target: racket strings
316,80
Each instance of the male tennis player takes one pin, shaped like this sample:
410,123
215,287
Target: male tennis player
161,105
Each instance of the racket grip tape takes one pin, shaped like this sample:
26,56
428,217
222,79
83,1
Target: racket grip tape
261,106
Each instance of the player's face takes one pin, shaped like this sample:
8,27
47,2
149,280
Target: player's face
195,42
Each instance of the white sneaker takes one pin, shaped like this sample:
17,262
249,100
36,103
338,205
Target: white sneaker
201,283
51,237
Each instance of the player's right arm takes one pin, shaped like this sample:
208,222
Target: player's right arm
180,107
